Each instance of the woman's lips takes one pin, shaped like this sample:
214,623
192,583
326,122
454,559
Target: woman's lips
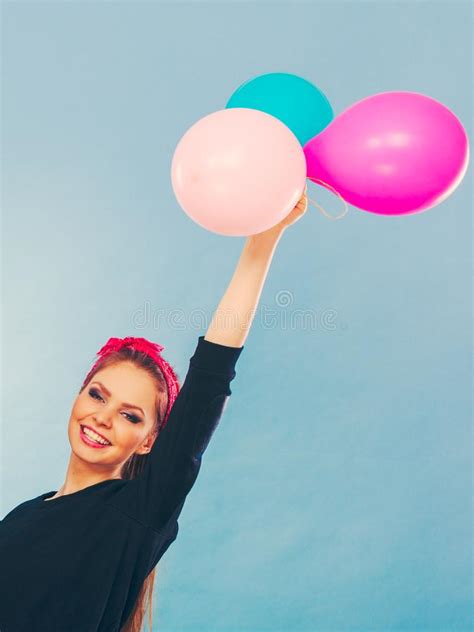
96,432
91,443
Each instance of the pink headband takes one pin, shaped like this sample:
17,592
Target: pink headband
153,350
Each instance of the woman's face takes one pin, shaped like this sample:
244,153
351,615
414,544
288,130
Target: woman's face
119,403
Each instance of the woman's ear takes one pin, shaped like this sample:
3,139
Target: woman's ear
150,440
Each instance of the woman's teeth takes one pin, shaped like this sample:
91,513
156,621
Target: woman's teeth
94,436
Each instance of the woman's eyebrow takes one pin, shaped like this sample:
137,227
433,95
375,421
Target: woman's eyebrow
107,392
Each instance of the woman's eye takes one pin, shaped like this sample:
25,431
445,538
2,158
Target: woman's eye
95,395
133,418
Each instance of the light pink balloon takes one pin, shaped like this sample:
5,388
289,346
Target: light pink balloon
392,153
238,171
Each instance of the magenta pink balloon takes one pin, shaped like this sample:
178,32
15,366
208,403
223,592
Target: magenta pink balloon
391,153
238,171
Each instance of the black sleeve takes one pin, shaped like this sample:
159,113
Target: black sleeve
157,495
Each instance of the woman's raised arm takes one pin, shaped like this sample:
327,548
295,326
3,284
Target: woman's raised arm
233,318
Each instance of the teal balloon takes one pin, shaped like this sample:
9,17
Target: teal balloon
298,104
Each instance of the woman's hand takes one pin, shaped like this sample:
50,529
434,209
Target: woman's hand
298,211
293,216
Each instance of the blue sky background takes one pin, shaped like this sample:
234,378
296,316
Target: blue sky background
336,493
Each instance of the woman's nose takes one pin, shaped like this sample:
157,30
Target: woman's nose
104,417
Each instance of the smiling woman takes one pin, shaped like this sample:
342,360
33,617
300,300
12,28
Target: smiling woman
101,421
132,490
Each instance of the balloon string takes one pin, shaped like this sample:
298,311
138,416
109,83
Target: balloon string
325,184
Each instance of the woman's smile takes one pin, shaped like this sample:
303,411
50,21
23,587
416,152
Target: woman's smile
92,439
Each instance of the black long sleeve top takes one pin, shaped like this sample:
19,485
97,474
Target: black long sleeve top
76,563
